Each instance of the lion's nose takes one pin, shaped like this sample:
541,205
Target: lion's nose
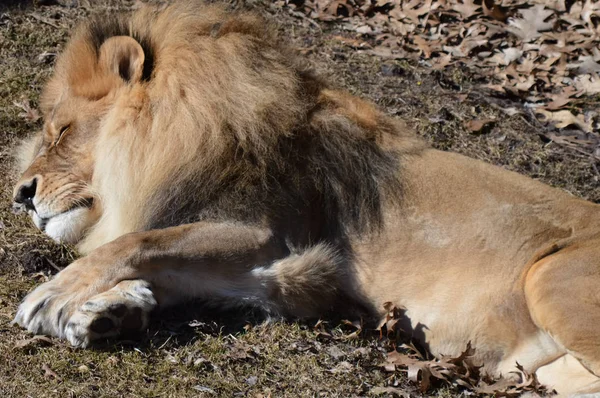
26,193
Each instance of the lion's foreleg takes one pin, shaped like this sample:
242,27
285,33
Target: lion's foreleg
137,272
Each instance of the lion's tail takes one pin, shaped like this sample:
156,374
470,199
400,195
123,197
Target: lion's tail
304,284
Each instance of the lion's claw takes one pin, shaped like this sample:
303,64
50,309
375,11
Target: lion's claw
36,311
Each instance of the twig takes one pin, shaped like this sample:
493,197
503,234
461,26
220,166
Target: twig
56,267
165,343
44,20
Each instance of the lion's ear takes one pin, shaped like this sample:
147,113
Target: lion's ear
124,56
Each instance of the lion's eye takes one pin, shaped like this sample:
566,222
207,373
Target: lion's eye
62,131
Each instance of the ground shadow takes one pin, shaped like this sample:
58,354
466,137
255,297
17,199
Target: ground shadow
182,325
6,5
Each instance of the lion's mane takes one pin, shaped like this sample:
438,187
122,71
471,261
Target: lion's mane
229,124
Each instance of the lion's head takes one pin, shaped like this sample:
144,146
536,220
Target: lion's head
58,164
190,112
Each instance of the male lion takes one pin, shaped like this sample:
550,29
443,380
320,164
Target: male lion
190,156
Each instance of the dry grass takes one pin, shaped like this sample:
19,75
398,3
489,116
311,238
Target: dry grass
216,355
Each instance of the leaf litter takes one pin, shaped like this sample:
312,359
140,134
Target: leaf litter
545,53
460,372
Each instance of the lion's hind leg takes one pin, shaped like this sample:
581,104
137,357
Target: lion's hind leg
563,295
568,376
123,309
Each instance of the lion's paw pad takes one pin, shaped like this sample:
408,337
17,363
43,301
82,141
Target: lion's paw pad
122,310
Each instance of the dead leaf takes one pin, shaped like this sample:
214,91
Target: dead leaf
442,61
532,23
562,98
49,373
457,371
413,10
336,352
587,64
343,367
29,114
35,341
364,30
480,125
587,84
332,10
353,43
506,56
241,351
495,11
423,46
565,118
467,8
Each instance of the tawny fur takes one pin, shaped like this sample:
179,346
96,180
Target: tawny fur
186,150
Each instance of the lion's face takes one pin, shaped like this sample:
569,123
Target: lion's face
55,187
58,163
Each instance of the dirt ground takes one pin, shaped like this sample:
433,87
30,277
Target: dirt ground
195,352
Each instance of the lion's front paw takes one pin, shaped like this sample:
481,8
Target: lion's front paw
44,310
123,309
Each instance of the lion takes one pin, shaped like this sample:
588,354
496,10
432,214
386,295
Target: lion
188,154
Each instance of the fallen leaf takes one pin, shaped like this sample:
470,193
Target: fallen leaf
532,23
412,10
29,114
586,64
587,84
353,43
480,125
565,118
335,352
495,11
562,98
342,367
364,29
457,371
442,61
49,373
467,8
35,341
241,351
423,46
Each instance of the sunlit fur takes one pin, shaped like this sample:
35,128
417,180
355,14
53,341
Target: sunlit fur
248,179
